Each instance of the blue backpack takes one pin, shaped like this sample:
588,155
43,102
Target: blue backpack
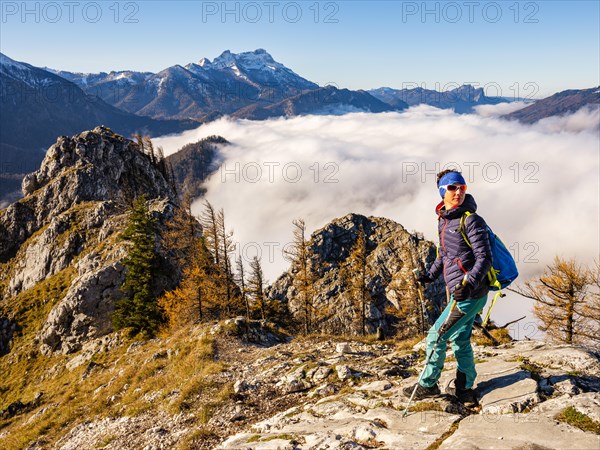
504,270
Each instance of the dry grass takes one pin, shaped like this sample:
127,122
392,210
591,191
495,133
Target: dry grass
120,384
501,335
426,406
436,444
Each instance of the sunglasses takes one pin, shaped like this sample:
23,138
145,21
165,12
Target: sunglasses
454,187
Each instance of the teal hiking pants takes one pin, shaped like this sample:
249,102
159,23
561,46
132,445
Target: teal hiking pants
460,336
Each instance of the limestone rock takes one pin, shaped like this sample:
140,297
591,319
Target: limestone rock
520,431
587,403
504,387
343,347
95,165
390,253
72,215
343,372
564,357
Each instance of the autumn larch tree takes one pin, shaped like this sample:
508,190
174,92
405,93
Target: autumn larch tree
567,302
357,273
300,255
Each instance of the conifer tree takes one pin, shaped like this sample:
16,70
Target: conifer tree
409,308
227,247
300,256
256,288
210,231
241,280
181,233
566,302
194,300
139,309
357,276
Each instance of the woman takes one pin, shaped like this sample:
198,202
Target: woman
465,269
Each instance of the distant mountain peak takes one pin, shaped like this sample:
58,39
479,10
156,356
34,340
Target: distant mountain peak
5,61
203,62
254,59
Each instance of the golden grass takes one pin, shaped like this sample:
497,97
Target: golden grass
121,384
501,335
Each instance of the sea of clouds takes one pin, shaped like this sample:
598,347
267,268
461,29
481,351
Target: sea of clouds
536,185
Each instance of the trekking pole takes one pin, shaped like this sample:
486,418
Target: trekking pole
441,331
499,294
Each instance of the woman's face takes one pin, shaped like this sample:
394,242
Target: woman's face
453,199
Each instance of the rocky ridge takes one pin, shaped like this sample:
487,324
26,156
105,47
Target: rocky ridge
522,386
392,254
69,223
318,392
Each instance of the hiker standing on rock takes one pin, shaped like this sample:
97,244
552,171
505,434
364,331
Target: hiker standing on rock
465,269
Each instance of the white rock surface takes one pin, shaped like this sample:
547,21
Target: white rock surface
518,431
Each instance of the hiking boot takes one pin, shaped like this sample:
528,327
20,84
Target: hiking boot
467,397
422,392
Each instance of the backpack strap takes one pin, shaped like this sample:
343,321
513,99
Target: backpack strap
462,227
492,274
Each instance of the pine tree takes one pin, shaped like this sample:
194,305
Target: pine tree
139,309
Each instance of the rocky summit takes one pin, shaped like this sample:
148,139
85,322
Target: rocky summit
67,228
274,392
392,253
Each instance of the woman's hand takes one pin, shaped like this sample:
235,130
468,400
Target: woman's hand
463,292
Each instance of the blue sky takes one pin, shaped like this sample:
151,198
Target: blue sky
536,47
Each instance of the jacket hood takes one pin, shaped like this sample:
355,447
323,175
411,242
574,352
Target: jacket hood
468,205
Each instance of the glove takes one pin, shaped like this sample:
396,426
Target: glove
463,292
424,279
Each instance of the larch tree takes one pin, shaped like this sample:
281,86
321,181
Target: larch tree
241,280
300,255
194,300
256,284
227,247
357,277
210,231
567,302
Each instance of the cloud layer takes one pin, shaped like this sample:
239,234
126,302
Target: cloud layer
537,186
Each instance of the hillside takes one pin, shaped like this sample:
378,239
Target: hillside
559,104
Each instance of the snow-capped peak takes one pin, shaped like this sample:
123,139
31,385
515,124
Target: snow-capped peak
225,59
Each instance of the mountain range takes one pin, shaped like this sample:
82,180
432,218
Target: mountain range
462,99
36,106
198,90
39,104
561,103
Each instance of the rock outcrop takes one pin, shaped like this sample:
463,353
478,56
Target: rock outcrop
518,407
392,254
74,209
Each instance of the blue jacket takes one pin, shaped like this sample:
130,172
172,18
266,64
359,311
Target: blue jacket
455,257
